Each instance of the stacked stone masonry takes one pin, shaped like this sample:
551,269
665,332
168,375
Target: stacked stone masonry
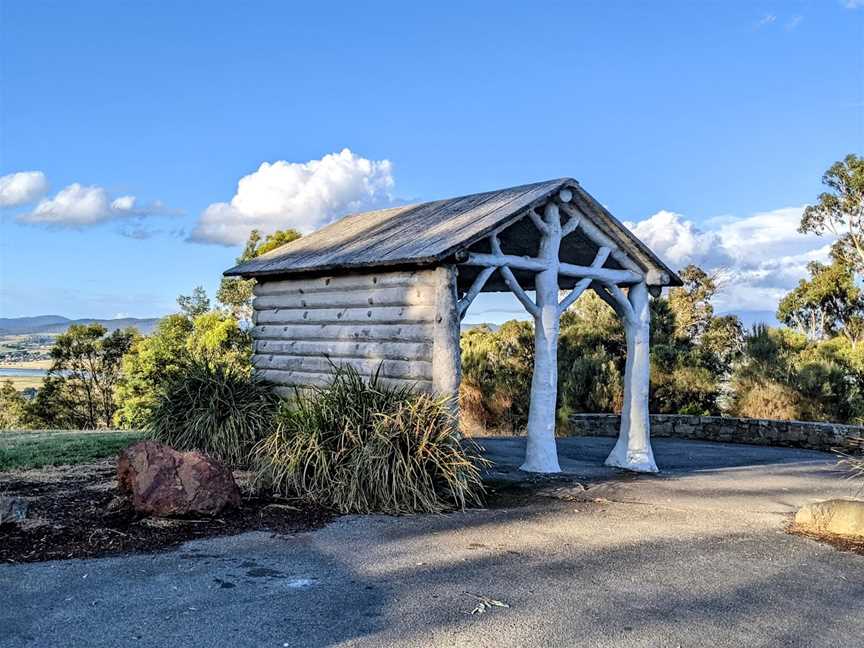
796,434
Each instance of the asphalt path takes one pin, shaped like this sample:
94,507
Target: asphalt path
696,556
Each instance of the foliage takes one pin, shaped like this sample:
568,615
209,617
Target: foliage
151,361
235,293
785,375
154,360
692,350
34,449
692,357
213,407
198,303
496,376
589,382
768,399
840,210
78,391
691,303
722,344
827,304
591,353
362,446
13,407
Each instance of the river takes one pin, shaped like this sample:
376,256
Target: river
12,372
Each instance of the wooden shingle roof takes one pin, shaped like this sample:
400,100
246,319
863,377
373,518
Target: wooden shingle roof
432,233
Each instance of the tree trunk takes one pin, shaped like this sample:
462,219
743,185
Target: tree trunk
633,448
541,453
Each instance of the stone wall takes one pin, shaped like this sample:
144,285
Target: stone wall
797,434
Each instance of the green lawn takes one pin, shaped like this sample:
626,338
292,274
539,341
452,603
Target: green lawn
21,450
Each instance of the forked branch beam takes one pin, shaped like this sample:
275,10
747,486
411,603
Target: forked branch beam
474,290
579,288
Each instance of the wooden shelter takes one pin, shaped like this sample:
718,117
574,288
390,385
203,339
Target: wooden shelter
389,288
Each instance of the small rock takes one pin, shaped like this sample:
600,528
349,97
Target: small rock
116,504
13,509
165,482
842,517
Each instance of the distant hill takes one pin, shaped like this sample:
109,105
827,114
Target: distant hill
48,324
492,327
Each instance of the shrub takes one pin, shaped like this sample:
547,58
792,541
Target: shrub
362,446
767,400
496,377
13,407
213,407
154,360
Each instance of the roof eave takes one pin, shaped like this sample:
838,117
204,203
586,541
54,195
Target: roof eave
421,262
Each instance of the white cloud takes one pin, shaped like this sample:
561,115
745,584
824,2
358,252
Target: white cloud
123,203
22,187
761,256
853,4
767,19
304,196
678,241
794,22
79,206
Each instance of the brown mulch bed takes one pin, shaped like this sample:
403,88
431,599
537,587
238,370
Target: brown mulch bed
843,543
76,512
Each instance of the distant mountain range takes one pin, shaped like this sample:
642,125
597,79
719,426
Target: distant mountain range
468,327
52,324
48,324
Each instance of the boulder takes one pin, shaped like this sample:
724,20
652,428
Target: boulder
838,516
165,482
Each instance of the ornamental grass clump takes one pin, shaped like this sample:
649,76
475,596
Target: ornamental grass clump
853,460
361,446
217,408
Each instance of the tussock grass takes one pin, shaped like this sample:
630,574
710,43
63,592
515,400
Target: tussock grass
361,446
853,460
216,408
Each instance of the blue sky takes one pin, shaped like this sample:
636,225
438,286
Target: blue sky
705,125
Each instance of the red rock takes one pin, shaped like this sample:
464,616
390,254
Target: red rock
165,482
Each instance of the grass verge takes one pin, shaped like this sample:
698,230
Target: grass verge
23,450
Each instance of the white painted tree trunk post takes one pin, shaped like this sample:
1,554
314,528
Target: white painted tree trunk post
446,356
633,448
541,453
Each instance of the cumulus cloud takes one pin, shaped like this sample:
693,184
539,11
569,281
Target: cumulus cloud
679,242
761,256
304,196
22,187
79,206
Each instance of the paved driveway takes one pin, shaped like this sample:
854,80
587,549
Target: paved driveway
694,557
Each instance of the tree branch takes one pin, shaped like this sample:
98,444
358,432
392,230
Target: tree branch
542,227
570,226
474,290
521,295
615,297
579,288
577,291
510,279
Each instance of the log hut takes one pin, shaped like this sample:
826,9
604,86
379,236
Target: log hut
386,290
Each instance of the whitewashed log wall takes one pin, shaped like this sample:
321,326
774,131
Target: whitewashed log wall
402,321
